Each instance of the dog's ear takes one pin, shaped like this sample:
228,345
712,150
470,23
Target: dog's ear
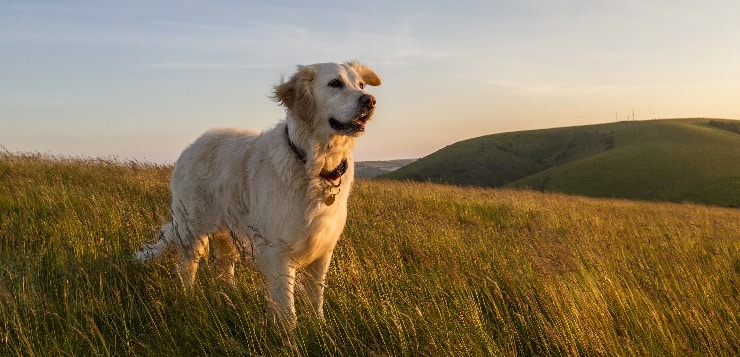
295,93
365,73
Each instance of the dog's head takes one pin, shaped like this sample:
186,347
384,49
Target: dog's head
330,97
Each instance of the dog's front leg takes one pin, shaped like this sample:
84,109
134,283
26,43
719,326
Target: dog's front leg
314,283
280,280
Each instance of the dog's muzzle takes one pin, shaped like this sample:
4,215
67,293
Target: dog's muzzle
356,125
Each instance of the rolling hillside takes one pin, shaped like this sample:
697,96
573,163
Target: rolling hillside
372,169
675,160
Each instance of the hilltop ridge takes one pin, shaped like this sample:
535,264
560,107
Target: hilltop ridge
675,160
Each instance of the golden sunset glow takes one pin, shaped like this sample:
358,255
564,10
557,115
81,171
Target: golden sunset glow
141,80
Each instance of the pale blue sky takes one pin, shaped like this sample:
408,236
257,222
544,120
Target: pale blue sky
142,79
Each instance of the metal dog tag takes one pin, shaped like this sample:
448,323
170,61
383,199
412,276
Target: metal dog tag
329,200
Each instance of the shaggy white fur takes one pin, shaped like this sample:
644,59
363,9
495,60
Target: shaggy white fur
258,195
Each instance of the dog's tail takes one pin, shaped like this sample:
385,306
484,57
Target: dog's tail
154,252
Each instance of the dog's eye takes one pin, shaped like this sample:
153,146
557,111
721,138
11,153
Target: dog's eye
362,85
335,83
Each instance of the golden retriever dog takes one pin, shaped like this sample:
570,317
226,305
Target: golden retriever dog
279,196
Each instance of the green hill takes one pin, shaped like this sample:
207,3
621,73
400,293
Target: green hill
675,160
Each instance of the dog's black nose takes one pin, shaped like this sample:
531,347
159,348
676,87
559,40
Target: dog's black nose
367,101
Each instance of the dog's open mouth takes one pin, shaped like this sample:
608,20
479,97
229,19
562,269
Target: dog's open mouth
357,125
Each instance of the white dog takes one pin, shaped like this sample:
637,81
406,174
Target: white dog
279,196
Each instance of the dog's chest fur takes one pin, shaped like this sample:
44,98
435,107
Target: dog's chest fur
287,201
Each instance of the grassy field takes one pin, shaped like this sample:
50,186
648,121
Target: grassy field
678,160
422,269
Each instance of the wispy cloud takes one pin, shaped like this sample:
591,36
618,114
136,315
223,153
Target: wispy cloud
203,66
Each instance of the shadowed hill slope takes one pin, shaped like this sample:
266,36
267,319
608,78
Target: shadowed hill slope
696,160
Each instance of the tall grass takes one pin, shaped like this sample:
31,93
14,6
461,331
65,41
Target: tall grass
422,269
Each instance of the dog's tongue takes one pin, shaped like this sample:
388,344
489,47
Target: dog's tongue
362,119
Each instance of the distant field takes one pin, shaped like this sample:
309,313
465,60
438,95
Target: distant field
680,160
372,169
422,269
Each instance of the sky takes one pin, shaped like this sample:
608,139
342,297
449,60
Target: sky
141,79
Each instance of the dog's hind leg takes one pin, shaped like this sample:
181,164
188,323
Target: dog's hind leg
190,249
226,256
